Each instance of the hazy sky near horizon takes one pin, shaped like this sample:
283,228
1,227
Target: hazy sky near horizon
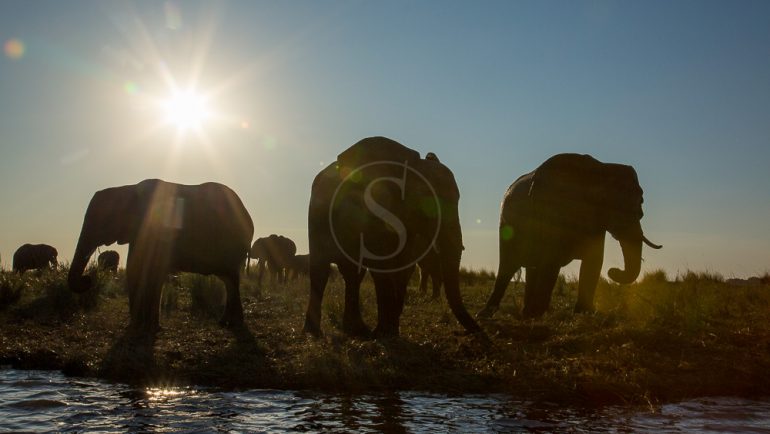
680,90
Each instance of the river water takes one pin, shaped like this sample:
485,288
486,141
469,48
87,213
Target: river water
49,401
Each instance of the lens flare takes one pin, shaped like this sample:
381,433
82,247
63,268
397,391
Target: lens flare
14,49
130,87
186,110
506,232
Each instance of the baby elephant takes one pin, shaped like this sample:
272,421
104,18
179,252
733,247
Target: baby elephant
34,257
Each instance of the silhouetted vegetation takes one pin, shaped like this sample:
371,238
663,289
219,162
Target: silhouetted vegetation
656,340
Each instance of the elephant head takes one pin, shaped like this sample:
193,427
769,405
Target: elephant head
621,207
113,216
583,195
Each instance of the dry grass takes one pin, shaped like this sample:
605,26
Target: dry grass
652,341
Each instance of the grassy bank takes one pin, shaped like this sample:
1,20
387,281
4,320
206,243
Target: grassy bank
657,340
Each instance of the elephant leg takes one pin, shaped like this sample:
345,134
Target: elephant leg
132,288
387,299
352,322
272,271
233,314
144,291
538,289
506,269
319,276
590,270
260,270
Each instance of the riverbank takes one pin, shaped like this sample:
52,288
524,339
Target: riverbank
655,341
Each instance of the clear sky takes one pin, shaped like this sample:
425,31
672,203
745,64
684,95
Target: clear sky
680,90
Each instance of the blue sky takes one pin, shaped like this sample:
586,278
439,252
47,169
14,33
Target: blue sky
680,90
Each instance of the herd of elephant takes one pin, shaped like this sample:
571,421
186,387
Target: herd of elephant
380,207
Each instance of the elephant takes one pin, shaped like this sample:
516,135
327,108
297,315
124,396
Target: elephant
169,228
430,269
108,261
300,265
275,251
34,257
560,212
380,207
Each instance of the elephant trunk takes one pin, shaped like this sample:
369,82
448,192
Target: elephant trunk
450,273
632,258
76,280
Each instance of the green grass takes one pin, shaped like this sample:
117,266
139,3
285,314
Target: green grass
656,340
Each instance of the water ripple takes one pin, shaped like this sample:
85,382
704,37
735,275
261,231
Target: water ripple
48,401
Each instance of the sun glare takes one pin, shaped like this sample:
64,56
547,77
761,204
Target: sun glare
186,110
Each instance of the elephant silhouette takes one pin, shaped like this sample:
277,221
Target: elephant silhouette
108,260
381,207
275,252
300,266
34,257
169,228
560,212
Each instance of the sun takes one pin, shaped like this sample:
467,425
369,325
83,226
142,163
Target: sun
186,110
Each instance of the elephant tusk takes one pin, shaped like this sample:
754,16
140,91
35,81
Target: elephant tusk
650,243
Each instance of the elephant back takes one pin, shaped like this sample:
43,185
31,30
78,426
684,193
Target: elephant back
372,150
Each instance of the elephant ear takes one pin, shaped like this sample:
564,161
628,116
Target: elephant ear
622,195
112,215
567,192
128,211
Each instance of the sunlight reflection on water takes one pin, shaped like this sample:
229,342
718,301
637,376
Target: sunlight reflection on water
48,401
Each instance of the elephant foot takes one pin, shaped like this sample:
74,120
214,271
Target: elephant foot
528,313
487,312
312,329
142,330
231,323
